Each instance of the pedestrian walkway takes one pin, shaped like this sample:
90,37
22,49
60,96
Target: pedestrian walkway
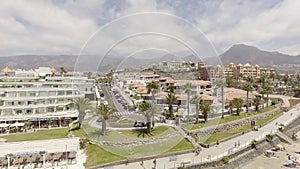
189,138
224,148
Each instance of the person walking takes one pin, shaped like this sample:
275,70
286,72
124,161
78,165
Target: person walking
154,164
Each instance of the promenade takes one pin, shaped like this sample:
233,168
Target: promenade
216,152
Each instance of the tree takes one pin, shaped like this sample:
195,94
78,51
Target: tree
262,91
221,84
144,107
170,99
82,105
187,89
197,100
63,70
152,88
238,104
248,87
256,102
106,112
205,107
267,88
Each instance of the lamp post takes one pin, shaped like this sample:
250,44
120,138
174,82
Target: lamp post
66,156
44,159
8,162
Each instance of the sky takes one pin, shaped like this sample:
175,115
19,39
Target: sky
129,27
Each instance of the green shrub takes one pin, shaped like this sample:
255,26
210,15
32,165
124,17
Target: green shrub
254,143
269,137
225,160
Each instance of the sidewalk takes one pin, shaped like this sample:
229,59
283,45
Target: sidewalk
219,151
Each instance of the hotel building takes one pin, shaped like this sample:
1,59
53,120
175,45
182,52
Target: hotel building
27,94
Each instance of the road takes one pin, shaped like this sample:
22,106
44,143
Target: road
222,149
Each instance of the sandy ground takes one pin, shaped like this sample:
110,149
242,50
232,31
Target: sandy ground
263,162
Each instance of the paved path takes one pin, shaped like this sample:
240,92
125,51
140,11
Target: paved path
220,150
53,145
50,146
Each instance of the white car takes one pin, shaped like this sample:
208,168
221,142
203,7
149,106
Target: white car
105,102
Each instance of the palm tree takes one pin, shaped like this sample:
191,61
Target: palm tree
262,91
205,107
238,104
256,102
170,99
197,100
152,88
268,89
248,87
106,112
221,84
187,89
144,107
82,105
63,71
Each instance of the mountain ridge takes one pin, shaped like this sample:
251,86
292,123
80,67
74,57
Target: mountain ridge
238,53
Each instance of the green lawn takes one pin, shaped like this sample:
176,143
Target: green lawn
38,135
97,155
222,135
126,121
79,132
182,145
226,119
141,133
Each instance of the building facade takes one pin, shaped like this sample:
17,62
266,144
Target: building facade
37,92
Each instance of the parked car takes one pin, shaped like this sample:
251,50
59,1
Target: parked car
139,124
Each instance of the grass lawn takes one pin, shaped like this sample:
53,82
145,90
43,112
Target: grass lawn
182,145
125,121
38,135
226,119
222,135
97,155
141,133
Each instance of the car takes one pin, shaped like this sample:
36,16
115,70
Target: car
105,102
139,124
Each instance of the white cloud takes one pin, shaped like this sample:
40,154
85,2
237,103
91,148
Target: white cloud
41,27
60,27
246,23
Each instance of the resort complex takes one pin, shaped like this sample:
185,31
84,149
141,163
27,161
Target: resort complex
185,123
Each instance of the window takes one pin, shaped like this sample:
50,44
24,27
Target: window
60,93
32,94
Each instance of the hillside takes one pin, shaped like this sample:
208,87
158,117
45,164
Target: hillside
237,54
248,54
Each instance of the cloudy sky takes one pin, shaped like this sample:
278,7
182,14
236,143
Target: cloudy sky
127,27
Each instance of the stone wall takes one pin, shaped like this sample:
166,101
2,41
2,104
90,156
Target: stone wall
294,102
138,142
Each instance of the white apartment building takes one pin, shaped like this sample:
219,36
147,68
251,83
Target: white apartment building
36,92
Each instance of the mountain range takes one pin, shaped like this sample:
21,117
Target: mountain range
239,53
